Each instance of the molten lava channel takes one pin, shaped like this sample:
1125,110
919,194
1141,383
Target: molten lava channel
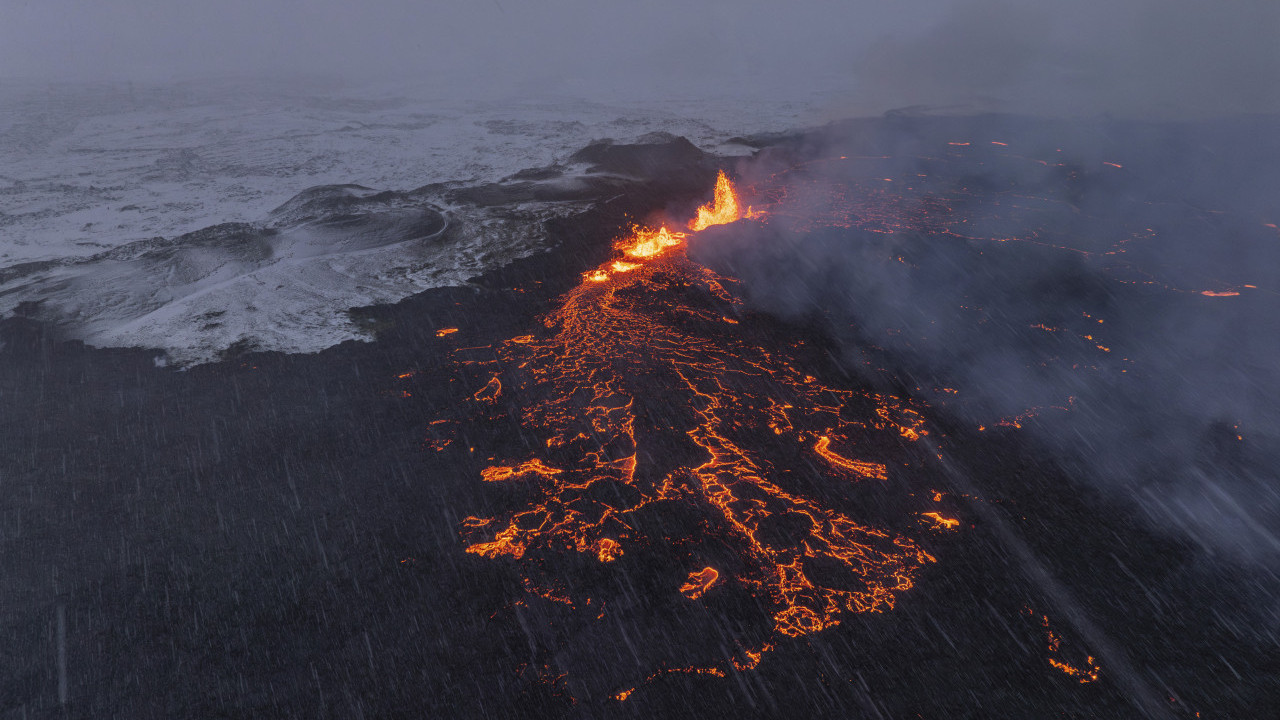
653,318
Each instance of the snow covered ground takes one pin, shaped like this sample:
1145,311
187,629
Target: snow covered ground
100,185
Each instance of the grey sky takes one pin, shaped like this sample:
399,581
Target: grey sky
1129,56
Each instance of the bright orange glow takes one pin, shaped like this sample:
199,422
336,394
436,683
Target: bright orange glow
533,467
650,330
1085,674
866,469
1221,293
607,549
647,243
699,583
446,331
941,522
490,392
605,336
752,658
722,210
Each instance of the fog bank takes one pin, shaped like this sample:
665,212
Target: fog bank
1140,57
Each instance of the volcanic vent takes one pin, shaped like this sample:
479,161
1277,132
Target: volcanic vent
663,428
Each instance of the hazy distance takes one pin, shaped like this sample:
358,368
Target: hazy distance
1159,58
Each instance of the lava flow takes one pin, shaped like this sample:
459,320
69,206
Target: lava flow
649,400
1085,673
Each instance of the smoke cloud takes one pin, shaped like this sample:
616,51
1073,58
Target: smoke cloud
1064,297
1135,57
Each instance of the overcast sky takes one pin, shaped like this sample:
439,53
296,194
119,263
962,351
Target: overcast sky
1165,57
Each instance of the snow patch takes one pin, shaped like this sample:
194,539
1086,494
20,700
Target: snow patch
195,219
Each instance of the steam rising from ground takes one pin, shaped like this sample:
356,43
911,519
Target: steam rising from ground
1066,298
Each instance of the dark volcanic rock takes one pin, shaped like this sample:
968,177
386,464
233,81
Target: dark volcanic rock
273,536
667,157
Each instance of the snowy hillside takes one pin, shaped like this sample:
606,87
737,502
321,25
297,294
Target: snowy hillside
157,217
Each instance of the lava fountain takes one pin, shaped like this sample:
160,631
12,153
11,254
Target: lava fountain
652,328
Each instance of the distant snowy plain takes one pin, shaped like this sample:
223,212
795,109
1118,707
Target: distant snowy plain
116,201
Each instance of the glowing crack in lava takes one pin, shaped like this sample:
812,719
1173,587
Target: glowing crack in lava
1085,673
647,397
699,583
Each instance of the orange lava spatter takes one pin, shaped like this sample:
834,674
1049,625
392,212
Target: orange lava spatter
643,393
722,210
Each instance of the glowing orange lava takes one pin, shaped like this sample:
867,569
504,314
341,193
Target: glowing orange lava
1085,674
490,392
646,243
722,210
699,583
607,550
647,395
498,473
942,522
